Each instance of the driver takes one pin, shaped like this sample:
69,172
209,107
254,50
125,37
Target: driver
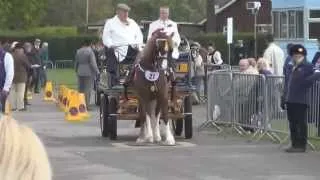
122,36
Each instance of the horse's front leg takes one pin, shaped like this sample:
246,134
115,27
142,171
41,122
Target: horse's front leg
146,135
169,139
156,125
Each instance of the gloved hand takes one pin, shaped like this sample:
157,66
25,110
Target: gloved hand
283,104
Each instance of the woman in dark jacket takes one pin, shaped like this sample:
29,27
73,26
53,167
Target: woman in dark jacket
21,67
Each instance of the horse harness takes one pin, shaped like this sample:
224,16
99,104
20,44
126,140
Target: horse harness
154,76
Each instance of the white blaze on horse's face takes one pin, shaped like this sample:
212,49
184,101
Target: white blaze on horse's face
162,46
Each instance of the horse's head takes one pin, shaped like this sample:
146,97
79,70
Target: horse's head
163,42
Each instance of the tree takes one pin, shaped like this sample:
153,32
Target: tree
211,16
19,14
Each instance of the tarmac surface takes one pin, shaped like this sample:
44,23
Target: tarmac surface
78,152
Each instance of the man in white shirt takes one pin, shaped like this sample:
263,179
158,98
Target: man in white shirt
275,57
169,27
6,76
123,37
214,56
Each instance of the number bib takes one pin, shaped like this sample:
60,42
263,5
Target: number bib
151,76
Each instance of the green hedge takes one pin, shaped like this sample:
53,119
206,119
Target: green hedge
221,44
59,47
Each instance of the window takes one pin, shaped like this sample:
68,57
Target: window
288,24
292,24
314,13
283,25
300,24
314,32
276,25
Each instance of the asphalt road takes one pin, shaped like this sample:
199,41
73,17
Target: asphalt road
78,152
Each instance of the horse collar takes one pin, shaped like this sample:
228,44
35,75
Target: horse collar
149,75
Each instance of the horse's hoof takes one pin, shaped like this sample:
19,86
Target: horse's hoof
144,140
157,139
169,142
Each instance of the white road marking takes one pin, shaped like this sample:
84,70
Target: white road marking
126,145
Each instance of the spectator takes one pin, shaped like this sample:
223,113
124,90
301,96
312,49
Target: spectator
44,56
86,69
239,51
6,75
214,56
27,50
197,70
22,154
252,66
245,90
35,53
274,56
246,68
263,67
21,67
294,97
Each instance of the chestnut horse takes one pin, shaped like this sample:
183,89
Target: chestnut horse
151,83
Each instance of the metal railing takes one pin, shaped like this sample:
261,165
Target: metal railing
62,64
250,104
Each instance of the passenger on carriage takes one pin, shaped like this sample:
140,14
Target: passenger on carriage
169,27
123,37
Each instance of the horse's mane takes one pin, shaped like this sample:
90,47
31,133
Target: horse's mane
22,154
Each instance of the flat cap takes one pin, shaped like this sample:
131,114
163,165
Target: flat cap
298,49
17,45
123,6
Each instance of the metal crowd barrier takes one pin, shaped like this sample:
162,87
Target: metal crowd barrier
250,104
49,64
62,64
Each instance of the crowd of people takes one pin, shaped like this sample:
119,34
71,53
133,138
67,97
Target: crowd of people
23,70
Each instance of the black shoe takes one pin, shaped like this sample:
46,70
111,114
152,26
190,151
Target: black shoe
13,109
295,150
21,110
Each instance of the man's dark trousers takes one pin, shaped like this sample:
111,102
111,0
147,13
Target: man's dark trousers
298,124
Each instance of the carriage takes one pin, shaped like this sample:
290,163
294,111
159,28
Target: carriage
114,106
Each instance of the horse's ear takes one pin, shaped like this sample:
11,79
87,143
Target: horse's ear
157,31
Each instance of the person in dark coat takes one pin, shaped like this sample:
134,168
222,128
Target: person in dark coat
294,98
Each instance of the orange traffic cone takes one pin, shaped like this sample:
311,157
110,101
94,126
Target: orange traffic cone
83,107
73,113
48,92
60,96
65,99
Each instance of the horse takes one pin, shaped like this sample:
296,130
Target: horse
151,83
22,154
